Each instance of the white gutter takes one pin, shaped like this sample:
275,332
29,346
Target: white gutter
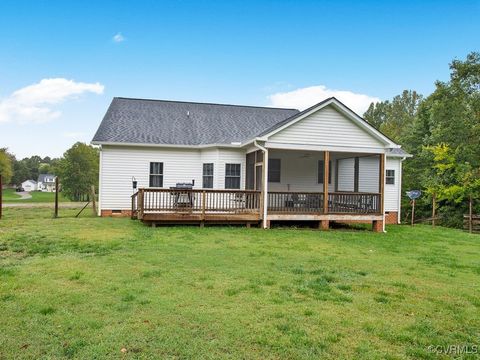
265,181
203,146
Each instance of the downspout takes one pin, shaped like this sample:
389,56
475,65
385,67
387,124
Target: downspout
265,181
383,195
99,212
400,176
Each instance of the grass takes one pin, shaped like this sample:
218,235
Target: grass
10,196
113,288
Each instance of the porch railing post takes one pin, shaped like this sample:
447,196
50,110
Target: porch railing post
140,204
326,162
204,198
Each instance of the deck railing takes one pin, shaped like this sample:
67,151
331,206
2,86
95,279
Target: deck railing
313,202
203,201
209,201
353,203
295,202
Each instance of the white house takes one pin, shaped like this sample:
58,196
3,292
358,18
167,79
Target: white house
46,182
198,162
29,185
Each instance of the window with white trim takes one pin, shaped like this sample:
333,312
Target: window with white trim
390,177
232,176
156,174
208,176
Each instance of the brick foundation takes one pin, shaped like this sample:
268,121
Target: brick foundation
391,217
116,213
377,226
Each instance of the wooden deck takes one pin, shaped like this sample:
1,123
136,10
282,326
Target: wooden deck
154,206
196,206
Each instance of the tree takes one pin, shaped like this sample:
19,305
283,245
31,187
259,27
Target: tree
394,118
6,169
78,170
442,128
20,172
451,179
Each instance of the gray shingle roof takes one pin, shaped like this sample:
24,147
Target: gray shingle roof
140,121
398,152
44,177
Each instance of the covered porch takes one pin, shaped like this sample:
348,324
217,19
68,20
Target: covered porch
322,186
283,185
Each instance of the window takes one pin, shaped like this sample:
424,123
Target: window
390,177
156,174
274,170
232,176
208,176
321,171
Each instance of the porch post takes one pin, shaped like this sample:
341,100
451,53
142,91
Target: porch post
379,227
266,223
381,182
326,167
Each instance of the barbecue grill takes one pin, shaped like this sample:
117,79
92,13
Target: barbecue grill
182,197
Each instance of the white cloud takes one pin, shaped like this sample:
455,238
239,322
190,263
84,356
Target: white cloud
34,103
306,97
118,38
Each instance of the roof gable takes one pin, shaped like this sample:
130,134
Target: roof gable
323,123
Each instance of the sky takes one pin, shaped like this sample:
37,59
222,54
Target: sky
62,62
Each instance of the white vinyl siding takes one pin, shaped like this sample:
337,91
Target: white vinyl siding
368,173
326,127
120,163
392,190
346,174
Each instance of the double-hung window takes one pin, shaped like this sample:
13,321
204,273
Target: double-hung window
390,177
156,174
208,176
232,176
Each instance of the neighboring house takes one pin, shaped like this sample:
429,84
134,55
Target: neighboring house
46,182
29,185
324,164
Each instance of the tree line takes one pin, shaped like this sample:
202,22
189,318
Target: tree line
442,132
77,169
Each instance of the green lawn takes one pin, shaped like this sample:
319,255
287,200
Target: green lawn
90,287
10,196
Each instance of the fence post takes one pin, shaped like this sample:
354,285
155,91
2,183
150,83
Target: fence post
94,207
434,205
470,220
204,198
56,197
413,211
